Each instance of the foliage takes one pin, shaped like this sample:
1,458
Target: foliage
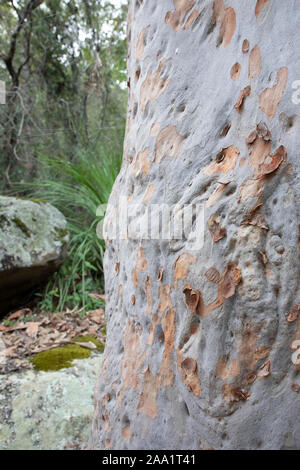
61,132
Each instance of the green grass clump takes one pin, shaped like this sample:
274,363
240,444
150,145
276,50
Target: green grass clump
59,358
77,189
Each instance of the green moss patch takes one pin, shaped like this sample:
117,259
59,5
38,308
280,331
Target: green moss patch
59,358
88,338
22,226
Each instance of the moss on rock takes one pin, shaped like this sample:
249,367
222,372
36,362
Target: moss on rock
59,358
90,338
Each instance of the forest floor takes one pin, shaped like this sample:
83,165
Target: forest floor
27,332
52,409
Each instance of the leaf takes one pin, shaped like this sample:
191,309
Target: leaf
32,329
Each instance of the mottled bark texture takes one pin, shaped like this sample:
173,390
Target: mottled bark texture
202,344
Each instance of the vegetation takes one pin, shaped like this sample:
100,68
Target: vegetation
62,128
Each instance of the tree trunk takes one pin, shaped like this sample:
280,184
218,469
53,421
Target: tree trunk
203,347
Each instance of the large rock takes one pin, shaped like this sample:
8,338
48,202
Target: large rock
48,410
33,242
203,344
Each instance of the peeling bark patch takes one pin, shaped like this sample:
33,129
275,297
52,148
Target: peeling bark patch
141,263
154,130
175,19
272,162
225,371
147,403
216,195
169,143
149,295
140,44
141,165
264,370
153,86
259,6
216,230
126,433
225,161
164,294
294,314
192,298
190,377
239,106
249,352
254,62
155,322
191,19
166,374
255,217
230,280
149,193
133,358
227,18
160,274
245,46
271,97
213,275
235,71
233,394
181,267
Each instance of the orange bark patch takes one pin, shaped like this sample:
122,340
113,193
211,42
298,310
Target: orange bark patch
149,295
272,162
271,97
294,314
135,278
141,263
175,19
164,294
169,143
225,161
255,217
155,322
147,403
254,62
235,71
189,375
233,394
239,106
166,374
227,18
216,230
216,195
181,267
193,299
126,433
245,46
160,274
213,275
154,130
149,193
226,288
153,86
191,19
141,164
249,352
140,44
225,371
259,5
133,358
250,188
264,370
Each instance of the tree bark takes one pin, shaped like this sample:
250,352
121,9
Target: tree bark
203,344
